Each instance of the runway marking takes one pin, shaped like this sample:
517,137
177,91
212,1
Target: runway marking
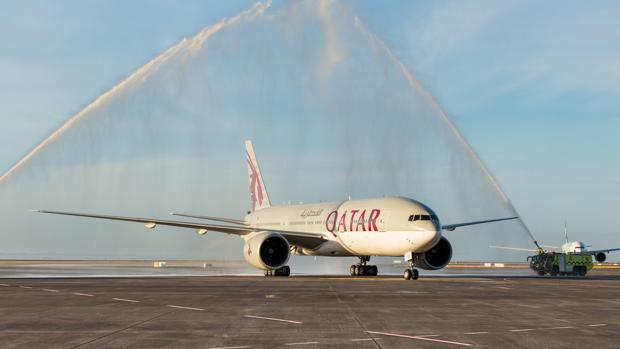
25,287
365,339
126,300
560,327
50,290
5,285
505,288
238,347
424,338
302,343
182,307
82,294
522,330
597,325
273,319
476,333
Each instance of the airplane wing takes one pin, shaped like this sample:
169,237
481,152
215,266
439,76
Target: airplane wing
451,227
211,218
593,252
303,239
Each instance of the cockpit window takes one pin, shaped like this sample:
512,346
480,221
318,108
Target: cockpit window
423,217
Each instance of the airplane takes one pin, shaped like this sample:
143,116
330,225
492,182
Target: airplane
569,247
388,226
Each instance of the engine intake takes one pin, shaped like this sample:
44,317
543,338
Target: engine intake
266,250
600,257
437,257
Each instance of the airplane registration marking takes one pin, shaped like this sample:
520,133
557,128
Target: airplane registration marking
273,319
424,338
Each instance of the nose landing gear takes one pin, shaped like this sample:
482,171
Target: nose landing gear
411,273
362,269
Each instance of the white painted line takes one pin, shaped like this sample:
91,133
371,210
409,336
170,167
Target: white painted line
239,347
476,333
50,290
560,328
522,330
419,338
302,343
181,307
82,294
504,287
597,325
364,339
5,285
126,300
273,319
25,286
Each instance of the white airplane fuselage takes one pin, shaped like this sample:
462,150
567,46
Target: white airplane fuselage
372,227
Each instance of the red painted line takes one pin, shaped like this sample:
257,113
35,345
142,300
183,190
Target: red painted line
423,338
273,319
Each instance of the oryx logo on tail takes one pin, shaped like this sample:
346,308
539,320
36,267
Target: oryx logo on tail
258,193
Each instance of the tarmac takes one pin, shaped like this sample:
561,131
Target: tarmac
451,311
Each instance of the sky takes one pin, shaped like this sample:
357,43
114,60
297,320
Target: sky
532,86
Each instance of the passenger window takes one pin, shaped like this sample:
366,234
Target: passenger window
417,217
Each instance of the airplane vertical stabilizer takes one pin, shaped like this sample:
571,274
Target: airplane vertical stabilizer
258,193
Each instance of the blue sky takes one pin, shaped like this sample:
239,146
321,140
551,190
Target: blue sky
533,86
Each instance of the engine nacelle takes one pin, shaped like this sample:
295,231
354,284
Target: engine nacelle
266,250
600,257
437,257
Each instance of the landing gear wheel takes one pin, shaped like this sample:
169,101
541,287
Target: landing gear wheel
416,274
373,270
407,274
282,271
352,270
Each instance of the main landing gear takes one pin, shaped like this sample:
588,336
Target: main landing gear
411,273
362,269
282,271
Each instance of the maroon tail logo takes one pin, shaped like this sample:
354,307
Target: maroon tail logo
256,192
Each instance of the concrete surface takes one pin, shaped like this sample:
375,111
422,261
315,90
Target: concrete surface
311,312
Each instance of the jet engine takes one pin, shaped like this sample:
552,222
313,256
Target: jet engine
600,257
266,251
436,257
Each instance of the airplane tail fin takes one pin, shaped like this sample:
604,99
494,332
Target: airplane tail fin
258,193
